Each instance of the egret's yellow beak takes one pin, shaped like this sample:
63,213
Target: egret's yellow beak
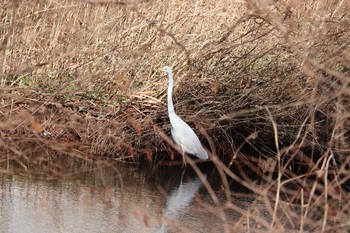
160,69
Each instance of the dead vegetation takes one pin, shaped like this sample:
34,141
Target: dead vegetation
267,82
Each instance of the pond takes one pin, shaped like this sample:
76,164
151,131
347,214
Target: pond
127,200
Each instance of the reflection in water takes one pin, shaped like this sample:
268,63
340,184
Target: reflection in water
180,198
103,201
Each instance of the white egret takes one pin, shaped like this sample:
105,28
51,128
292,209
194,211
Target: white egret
181,132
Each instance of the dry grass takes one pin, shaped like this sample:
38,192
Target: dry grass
267,82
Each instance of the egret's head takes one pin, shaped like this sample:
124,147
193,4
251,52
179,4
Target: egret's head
166,69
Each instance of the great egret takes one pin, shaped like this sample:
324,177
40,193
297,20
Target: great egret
181,132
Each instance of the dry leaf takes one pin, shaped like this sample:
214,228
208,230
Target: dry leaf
149,153
34,124
133,123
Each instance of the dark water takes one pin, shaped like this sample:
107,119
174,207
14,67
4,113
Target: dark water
128,200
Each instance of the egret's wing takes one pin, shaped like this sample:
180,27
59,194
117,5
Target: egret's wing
186,138
174,135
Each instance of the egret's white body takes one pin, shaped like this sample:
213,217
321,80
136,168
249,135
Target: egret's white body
181,132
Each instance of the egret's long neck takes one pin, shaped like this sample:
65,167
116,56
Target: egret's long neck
170,93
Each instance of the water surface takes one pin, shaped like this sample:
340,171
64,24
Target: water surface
166,200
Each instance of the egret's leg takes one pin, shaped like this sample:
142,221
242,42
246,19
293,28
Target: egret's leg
182,175
184,158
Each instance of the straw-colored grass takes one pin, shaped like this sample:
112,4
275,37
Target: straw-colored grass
264,83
